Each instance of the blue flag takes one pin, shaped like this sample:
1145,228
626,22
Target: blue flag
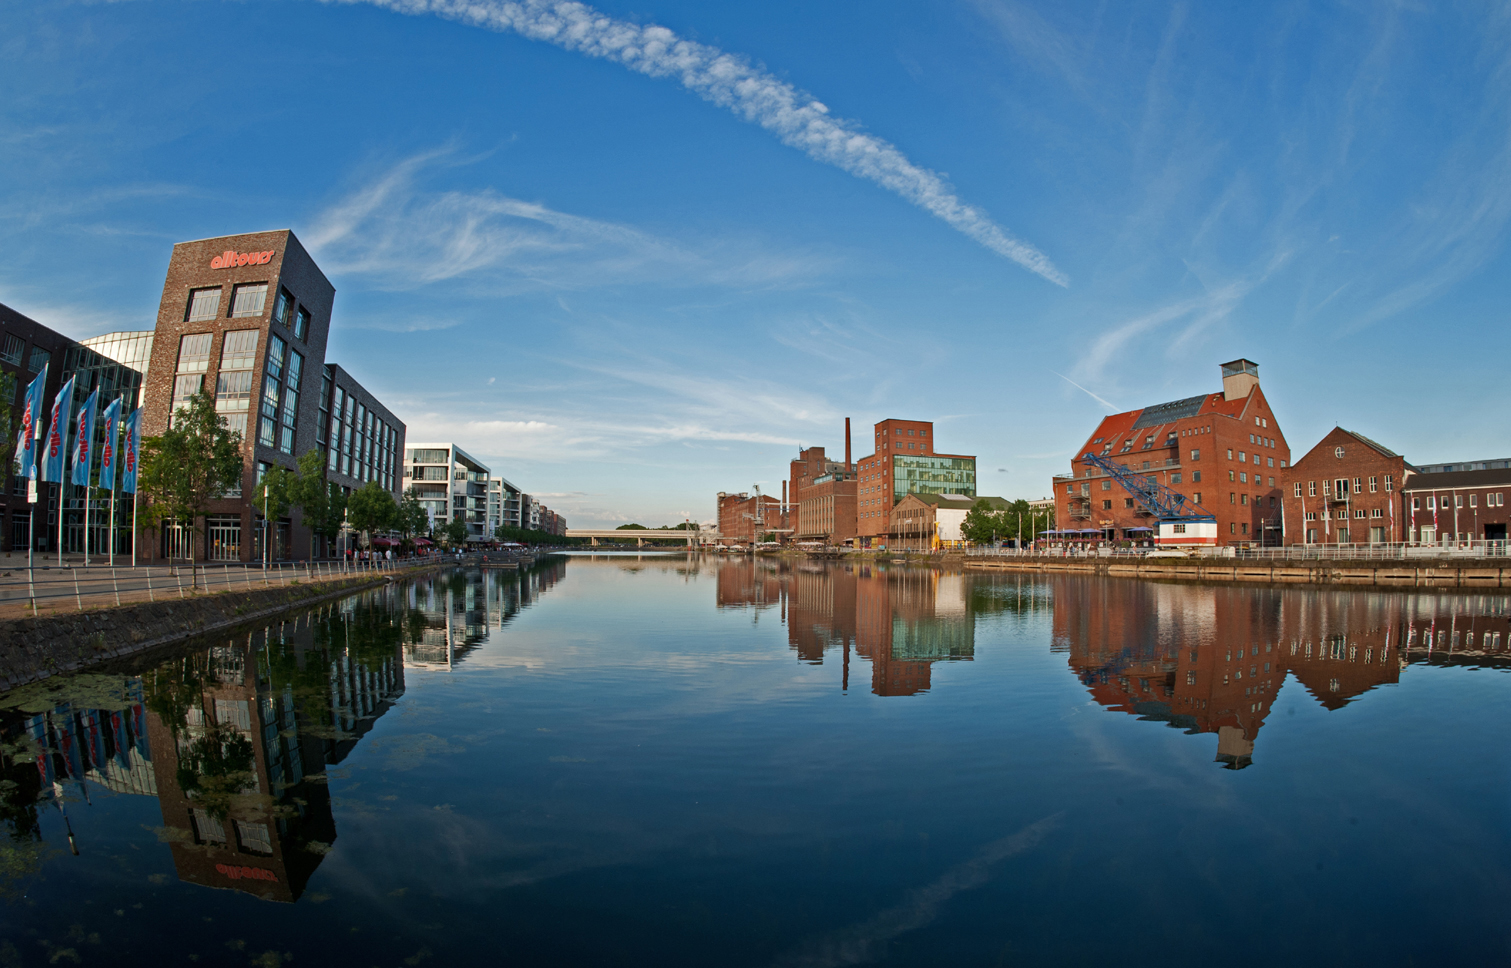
108,460
31,425
83,445
131,451
57,432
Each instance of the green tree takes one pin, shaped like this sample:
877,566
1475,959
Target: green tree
193,462
455,533
983,524
371,507
309,491
411,518
271,498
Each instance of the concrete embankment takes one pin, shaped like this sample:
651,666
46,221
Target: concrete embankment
32,649
1425,573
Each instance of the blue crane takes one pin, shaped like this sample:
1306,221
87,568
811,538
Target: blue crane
1162,502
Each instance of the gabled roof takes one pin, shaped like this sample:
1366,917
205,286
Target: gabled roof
1365,440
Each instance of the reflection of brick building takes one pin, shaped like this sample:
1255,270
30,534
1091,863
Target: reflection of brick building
1223,450
1212,660
259,818
748,583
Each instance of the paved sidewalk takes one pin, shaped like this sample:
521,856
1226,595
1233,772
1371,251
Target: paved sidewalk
75,587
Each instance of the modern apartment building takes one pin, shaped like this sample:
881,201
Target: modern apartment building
503,505
246,317
450,484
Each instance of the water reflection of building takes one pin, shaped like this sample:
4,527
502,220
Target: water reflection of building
1213,660
450,615
902,620
233,741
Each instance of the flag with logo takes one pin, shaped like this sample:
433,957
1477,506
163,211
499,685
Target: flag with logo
52,453
31,410
108,458
131,451
83,447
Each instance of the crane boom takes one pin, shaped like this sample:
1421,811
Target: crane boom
1161,501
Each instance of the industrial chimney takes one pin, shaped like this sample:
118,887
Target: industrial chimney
1238,378
847,445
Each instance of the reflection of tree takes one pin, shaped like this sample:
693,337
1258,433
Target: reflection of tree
215,767
175,687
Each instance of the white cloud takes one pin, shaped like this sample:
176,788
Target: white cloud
732,82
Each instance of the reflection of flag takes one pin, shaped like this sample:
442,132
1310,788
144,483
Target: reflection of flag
52,454
68,745
95,736
108,459
131,451
83,447
118,736
31,410
139,730
37,727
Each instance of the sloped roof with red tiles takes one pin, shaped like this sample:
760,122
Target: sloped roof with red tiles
1116,426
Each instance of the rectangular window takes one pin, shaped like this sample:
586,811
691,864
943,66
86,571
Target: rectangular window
1390,482
1196,455
1232,475
1311,488
11,352
204,304
1374,484
1196,497
1174,478
1251,438
254,837
1232,527
233,390
184,387
1243,499
1196,477
265,432
1432,503
1416,504
1243,458
276,352
1232,497
1106,505
1474,500
248,300
1230,453
1358,486
302,325
1245,527
1296,489
281,307
194,353
1269,462
1243,478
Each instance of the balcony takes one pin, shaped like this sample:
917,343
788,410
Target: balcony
1078,510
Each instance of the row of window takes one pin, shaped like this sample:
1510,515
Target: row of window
360,444
13,346
1457,501
1243,457
1342,487
1243,499
1243,478
1343,515
247,302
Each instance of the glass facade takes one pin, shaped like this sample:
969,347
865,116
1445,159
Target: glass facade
933,475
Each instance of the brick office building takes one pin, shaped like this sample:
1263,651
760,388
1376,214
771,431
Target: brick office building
245,318
1225,451
904,462
823,494
1347,489
744,518
26,346
1457,505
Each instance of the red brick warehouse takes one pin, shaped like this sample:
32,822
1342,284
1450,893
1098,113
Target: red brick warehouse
1225,451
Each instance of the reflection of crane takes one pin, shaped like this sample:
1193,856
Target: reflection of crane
1182,521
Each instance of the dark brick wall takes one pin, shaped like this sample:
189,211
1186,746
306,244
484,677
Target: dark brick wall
1359,461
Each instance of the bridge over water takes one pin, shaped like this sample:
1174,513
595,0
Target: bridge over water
685,537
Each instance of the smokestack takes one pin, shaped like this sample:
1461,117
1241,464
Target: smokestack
847,445
784,494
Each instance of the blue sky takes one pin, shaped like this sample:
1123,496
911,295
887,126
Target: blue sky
627,290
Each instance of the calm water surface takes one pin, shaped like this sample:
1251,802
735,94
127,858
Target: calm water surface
663,761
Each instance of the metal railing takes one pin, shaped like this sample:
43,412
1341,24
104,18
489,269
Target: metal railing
1382,551
99,586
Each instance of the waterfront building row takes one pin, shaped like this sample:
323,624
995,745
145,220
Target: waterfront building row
1227,455
245,319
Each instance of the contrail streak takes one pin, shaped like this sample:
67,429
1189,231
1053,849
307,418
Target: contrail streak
730,81
867,941
1111,406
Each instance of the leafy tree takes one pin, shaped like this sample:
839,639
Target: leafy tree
371,507
320,501
193,462
272,496
455,533
411,518
632,527
984,524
